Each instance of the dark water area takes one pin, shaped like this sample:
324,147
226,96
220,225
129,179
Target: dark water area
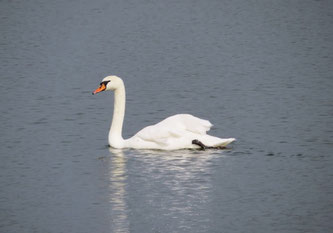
260,71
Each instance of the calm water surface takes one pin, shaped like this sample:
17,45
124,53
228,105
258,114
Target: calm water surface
260,71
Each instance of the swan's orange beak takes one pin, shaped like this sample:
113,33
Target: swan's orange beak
102,87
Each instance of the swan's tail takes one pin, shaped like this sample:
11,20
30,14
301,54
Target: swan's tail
225,141
215,141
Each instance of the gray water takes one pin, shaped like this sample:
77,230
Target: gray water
260,71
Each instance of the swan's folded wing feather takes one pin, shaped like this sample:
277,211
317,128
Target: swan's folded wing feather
198,126
158,133
190,123
174,127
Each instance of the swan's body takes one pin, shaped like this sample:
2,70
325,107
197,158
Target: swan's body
173,133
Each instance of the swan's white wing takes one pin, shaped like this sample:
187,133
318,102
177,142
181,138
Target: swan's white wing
175,126
176,132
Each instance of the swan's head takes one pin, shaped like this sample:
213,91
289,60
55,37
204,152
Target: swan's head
109,83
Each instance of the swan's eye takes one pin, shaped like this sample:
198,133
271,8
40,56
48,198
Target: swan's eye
104,83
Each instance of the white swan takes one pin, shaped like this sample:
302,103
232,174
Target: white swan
181,131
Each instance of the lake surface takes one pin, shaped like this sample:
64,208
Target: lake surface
260,71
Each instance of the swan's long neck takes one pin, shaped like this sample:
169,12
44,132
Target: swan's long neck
115,135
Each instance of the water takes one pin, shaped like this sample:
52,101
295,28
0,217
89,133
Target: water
260,71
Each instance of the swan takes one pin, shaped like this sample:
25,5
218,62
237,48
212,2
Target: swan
181,131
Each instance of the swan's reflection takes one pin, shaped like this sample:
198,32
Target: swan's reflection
179,184
117,174
172,187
